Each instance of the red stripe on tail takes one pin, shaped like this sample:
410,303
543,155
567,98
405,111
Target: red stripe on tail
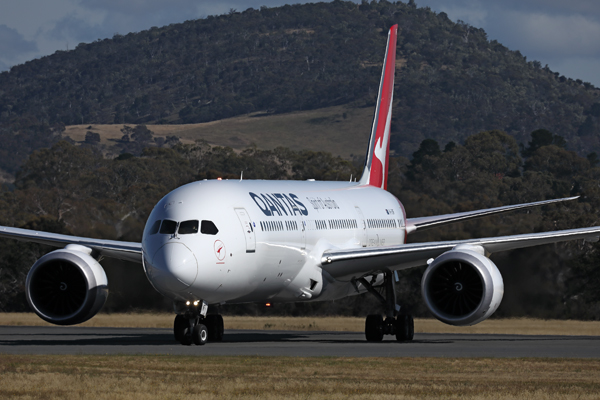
376,165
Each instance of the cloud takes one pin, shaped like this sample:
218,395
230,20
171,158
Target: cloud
553,7
4,66
13,44
584,68
76,29
98,19
544,34
562,34
470,11
222,7
183,7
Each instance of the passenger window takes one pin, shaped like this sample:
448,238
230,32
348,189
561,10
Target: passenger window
208,228
154,228
168,227
188,227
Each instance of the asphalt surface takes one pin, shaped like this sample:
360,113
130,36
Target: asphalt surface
82,340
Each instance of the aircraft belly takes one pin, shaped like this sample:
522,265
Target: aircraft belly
276,264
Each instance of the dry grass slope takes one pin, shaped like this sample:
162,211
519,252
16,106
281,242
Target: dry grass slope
340,130
170,377
519,326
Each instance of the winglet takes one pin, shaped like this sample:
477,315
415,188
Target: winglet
376,165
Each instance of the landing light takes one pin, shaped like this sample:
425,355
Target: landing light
187,303
196,303
268,305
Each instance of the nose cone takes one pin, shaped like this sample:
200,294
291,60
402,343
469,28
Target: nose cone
173,268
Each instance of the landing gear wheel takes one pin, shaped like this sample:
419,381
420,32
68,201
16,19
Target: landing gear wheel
179,327
405,328
200,334
214,323
374,328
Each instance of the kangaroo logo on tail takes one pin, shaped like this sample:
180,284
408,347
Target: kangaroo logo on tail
376,165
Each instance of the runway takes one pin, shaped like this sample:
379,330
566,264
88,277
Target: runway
84,340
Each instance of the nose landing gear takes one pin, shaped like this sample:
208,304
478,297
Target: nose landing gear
376,327
192,325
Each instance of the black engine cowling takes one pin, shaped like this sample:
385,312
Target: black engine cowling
462,287
67,286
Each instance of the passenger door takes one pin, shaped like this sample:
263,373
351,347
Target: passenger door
248,229
362,227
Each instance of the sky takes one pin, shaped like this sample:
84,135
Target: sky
563,34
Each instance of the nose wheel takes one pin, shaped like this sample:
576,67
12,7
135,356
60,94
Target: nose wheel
192,326
200,335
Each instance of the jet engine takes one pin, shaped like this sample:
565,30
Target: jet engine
67,286
462,286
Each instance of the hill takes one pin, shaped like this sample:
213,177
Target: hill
451,81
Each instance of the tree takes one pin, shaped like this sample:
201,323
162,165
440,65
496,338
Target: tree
543,137
583,282
142,134
15,260
428,147
587,128
92,137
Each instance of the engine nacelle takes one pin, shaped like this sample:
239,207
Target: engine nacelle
67,286
462,286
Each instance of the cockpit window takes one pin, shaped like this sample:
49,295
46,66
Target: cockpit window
208,228
168,227
154,228
188,227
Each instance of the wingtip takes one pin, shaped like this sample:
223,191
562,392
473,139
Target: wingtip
569,198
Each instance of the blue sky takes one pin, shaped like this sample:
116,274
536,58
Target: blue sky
563,34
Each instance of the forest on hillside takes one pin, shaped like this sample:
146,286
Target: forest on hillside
76,190
451,80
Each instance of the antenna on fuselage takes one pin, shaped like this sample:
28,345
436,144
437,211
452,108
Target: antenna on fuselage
241,176
350,177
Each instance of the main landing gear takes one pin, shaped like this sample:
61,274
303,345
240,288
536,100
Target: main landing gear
192,325
395,323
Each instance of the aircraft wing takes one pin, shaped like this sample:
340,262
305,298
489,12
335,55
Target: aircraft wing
128,251
420,223
347,263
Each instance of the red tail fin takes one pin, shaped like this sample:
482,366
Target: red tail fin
376,165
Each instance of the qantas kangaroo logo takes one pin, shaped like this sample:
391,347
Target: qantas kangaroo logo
220,250
381,150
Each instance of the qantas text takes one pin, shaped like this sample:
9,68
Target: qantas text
279,204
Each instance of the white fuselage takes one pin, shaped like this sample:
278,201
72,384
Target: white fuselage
254,241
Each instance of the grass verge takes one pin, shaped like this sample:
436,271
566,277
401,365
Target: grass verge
516,326
182,377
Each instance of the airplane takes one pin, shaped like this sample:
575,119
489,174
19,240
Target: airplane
215,242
